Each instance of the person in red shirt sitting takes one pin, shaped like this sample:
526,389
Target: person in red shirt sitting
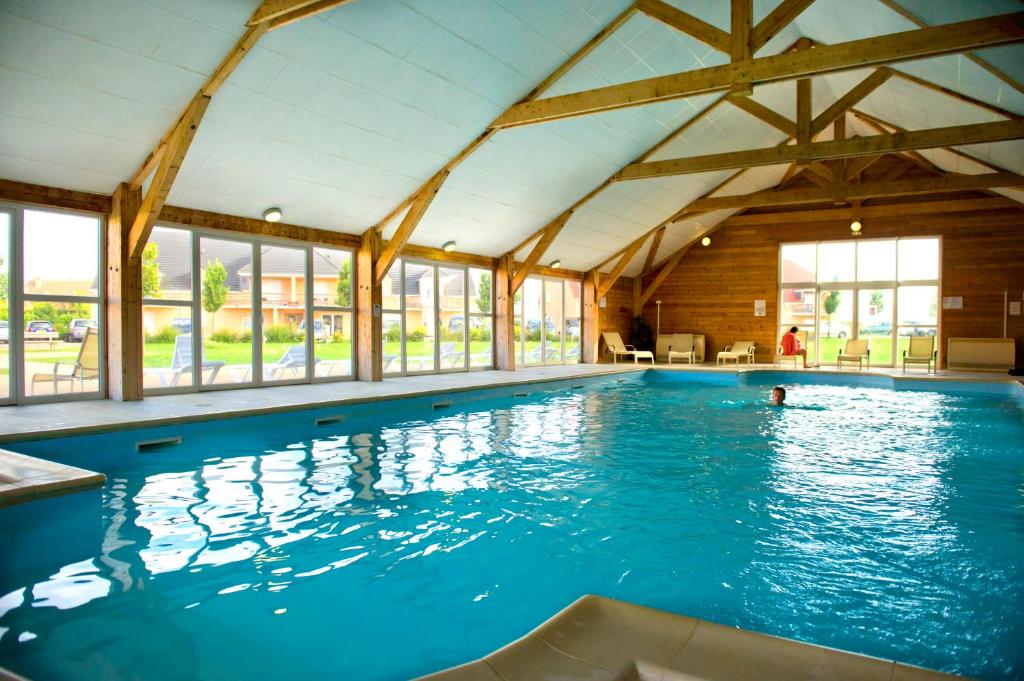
791,345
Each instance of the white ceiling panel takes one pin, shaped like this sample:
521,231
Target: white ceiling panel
338,118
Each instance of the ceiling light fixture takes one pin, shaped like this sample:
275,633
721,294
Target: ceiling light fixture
855,227
272,214
706,241
449,246
555,264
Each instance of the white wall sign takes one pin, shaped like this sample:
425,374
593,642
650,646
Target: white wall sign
952,302
603,302
759,308
1015,308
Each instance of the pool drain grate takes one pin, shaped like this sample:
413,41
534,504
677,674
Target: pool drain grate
154,445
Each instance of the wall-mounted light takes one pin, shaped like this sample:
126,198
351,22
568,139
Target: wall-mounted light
706,241
855,227
449,246
555,264
272,214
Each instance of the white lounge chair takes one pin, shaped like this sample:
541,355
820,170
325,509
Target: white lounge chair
85,368
921,351
293,360
682,348
615,346
737,351
855,351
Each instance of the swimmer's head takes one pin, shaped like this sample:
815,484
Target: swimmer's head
778,395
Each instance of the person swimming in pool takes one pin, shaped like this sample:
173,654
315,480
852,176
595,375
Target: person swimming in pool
779,396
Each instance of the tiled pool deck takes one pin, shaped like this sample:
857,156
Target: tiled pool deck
50,420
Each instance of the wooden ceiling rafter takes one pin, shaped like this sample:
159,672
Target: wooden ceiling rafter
539,249
977,59
684,22
876,51
405,229
539,89
608,280
776,20
909,140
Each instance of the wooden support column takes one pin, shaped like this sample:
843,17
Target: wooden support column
591,324
369,327
504,315
803,111
124,299
742,14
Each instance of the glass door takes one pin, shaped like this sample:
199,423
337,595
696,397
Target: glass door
533,312
835,322
451,317
226,285
553,291
874,323
286,340
418,288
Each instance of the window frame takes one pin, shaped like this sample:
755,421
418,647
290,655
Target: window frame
17,298
255,243
856,286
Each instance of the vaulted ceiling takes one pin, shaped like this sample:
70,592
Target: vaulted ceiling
340,117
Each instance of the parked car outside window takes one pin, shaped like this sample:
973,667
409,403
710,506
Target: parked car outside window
78,328
5,332
40,329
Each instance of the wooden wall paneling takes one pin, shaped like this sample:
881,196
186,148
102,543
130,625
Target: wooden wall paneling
713,289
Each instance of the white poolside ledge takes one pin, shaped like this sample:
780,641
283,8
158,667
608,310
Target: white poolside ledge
21,422
600,639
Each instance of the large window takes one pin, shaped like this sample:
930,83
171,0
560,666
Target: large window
436,318
547,326
882,290
51,304
243,307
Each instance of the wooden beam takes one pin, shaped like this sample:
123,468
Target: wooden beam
977,59
590,322
552,230
769,116
850,99
877,126
163,179
274,9
803,111
867,190
857,166
124,299
908,45
686,23
208,89
967,99
541,87
652,252
777,19
978,133
608,280
369,320
741,20
304,12
898,170
659,279
504,315
409,223
887,211
43,195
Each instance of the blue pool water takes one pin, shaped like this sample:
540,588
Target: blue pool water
403,540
